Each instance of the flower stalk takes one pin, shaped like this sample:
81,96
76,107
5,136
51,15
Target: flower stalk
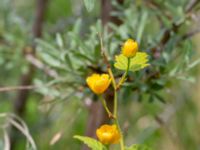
116,104
123,79
115,91
116,117
106,107
108,147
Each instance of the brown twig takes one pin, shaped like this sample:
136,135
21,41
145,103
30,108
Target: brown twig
25,87
191,5
103,51
14,88
174,28
190,34
163,124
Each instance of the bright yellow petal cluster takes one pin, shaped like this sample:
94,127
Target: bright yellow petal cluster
98,83
108,134
130,48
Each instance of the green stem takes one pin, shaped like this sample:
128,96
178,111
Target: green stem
122,138
123,78
115,93
108,147
112,78
115,104
105,106
116,120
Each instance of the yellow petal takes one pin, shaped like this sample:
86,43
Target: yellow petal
108,134
98,83
130,48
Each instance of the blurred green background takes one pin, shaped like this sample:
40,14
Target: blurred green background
49,47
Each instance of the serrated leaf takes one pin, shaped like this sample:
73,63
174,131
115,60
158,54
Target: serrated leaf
138,147
136,63
89,4
90,142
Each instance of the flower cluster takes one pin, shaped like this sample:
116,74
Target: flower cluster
129,60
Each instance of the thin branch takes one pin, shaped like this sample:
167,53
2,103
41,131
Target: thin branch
26,87
191,33
16,88
107,62
174,28
24,130
103,51
164,118
191,5
6,140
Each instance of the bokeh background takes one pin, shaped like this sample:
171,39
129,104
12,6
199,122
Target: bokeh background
49,47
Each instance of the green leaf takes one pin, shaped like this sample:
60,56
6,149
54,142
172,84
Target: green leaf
193,64
51,61
142,26
187,78
59,40
77,26
69,61
90,142
89,4
137,63
138,147
160,98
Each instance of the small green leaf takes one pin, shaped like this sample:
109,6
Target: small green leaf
59,40
90,142
69,61
50,60
193,64
138,147
89,4
186,78
137,63
142,25
160,98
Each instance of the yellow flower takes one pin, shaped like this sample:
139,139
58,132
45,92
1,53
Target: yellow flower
108,134
98,83
130,48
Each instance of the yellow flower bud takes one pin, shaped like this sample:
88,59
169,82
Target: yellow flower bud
130,48
98,83
108,134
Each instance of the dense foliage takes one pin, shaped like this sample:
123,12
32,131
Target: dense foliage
158,105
